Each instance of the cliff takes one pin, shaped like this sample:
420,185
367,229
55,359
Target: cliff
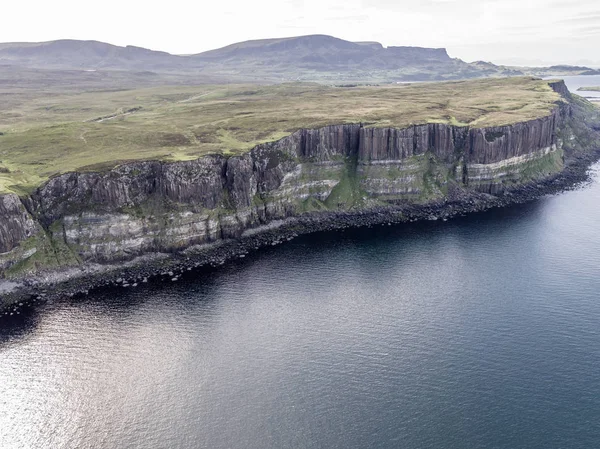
16,224
155,207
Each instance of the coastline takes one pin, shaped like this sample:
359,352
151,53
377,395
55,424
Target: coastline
163,267
151,221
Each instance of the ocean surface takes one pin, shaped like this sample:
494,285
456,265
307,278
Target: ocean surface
576,82
479,332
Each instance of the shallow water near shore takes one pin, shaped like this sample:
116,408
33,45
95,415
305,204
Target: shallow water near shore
480,332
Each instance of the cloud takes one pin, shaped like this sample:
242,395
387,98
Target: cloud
569,4
418,5
356,18
582,19
589,31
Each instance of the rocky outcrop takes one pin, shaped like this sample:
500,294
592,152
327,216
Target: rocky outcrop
381,144
16,225
494,144
561,88
152,206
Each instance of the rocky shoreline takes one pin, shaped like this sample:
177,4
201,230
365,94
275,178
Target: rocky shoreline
152,221
161,267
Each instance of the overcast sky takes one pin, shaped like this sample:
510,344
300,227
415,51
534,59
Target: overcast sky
502,31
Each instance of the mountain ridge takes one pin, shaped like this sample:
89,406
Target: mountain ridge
316,57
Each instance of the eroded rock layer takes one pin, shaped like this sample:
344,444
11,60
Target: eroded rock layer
149,207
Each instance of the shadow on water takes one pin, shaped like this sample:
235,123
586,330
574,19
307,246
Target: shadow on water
18,327
194,289
473,225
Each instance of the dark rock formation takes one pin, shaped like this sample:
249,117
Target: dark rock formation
379,144
16,224
494,144
149,207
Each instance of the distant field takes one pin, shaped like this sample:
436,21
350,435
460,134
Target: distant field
590,89
44,134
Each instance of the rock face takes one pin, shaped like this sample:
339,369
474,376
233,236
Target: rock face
16,224
146,207
495,144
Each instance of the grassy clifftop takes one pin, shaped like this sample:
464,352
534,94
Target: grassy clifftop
47,134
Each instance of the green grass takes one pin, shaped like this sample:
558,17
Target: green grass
51,133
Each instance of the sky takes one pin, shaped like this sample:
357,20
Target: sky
518,32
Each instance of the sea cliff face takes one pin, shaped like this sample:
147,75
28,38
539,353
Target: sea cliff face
16,224
150,207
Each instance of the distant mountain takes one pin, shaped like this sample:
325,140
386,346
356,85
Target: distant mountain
322,52
569,68
74,54
560,70
305,58
319,53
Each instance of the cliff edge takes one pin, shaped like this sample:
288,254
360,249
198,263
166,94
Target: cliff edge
333,174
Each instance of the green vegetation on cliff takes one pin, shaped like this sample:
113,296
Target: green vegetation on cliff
48,134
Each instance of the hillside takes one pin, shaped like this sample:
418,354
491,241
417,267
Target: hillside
303,58
87,55
183,171
321,52
326,58
319,58
54,134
